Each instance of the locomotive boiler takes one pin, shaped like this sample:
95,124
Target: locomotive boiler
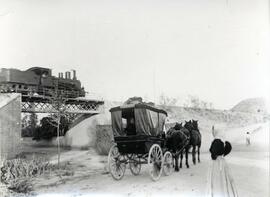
38,80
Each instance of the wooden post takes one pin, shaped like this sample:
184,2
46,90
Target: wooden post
58,140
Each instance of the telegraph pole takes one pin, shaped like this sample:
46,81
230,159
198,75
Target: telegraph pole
154,83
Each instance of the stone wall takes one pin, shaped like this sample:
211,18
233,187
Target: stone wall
104,139
83,134
10,125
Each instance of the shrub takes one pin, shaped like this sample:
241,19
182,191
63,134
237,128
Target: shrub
85,148
48,128
21,185
17,173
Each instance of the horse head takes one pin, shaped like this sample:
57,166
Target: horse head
178,126
195,124
188,125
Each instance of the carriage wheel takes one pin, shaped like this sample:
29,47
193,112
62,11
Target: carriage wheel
167,163
116,163
155,162
135,165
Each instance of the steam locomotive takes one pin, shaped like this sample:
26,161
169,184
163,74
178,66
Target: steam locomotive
38,80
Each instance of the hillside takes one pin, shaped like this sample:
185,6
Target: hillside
252,105
85,133
213,116
207,118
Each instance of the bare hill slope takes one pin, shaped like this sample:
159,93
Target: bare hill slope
252,105
206,117
84,134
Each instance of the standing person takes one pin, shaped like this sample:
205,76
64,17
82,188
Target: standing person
220,181
214,131
131,129
247,138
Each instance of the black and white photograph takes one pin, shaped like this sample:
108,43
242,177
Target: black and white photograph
149,98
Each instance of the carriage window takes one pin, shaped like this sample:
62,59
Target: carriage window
128,121
130,128
124,123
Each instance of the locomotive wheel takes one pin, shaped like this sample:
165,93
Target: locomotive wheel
116,163
155,162
135,165
167,163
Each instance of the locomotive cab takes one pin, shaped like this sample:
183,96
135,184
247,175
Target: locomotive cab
44,72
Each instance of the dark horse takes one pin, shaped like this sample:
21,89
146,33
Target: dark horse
195,138
187,145
177,140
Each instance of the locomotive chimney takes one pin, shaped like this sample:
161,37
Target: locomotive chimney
67,75
74,75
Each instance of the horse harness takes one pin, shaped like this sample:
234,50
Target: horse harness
185,144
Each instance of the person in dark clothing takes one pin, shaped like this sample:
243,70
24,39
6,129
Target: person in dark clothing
218,148
131,129
247,138
220,180
227,148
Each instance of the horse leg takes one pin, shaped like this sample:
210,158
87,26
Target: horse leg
181,159
193,155
176,163
187,158
199,154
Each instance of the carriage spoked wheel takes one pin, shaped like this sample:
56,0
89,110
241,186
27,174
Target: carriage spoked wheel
135,165
116,163
167,163
155,161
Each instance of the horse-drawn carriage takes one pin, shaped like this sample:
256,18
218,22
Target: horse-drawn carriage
139,139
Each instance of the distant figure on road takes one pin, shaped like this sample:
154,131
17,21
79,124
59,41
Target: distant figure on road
213,131
247,138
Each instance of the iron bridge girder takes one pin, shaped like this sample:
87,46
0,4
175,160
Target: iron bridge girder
41,104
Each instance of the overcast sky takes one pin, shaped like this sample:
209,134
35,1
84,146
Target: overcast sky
215,49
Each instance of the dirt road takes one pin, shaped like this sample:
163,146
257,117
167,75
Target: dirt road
249,166
249,169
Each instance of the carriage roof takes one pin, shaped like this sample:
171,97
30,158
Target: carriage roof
138,106
149,120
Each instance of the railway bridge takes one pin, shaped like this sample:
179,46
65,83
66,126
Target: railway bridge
77,108
45,104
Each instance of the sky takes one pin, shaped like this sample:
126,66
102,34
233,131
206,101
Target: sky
217,50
